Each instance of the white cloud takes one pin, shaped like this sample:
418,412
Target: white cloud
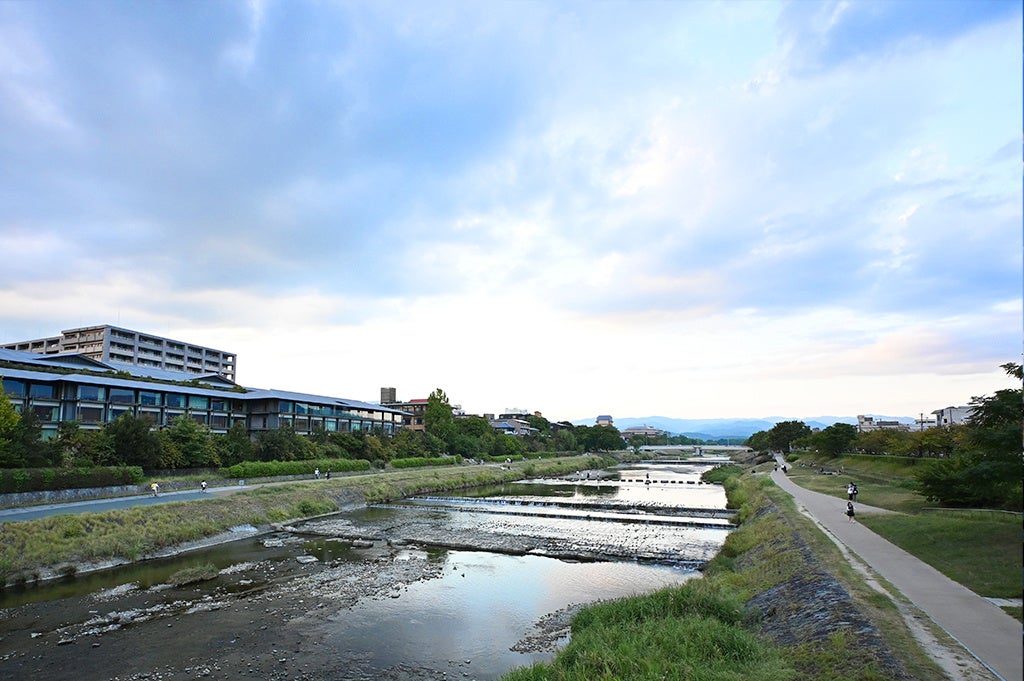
693,209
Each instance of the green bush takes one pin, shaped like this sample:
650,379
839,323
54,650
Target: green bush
267,469
417,461
48,479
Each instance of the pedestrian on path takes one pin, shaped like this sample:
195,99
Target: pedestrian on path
849,510
156,489
855,490
849,491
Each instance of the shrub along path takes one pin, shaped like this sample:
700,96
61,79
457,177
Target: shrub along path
984,630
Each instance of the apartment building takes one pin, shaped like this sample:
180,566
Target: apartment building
116,345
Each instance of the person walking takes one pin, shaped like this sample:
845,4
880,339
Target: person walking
202,485
156,489
849,491
849,510
855,490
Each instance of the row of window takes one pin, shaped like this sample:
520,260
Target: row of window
99,393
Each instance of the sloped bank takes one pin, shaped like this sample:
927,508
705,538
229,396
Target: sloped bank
768,607
61,545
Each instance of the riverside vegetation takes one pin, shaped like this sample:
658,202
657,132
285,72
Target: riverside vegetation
64,544
728,625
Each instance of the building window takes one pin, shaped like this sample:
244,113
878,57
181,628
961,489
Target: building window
286,407
301,408
122,396
174,400
90,414
46,391
149,399
46,414
14,388
217,404
219,421
115,412
198,402
199,418
91,393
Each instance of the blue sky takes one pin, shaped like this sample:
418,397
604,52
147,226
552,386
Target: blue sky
692,209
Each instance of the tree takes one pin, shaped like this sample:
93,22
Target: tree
9,420
235,446
133,442
437,417
759,441
195,442
989,470
834,440
783,433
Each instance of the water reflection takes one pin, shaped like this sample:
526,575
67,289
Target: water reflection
484,604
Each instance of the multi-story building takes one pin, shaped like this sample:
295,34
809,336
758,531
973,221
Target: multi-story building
413,411
114,345
952,416
74,387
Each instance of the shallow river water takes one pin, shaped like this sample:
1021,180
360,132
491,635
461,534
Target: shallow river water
483,581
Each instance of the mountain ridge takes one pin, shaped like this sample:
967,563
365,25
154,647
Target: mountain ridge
732,427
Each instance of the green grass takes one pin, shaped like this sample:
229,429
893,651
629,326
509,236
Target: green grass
886,482
982,551
54,542
699,630
979,549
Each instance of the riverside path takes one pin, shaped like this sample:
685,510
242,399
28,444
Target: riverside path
983,629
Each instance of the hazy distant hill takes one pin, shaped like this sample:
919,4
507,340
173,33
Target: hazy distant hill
718,428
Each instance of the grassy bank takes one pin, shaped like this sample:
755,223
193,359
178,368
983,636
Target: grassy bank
766,608
57,544
979,549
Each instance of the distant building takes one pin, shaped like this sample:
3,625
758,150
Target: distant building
512,426
604,420
413,411
952,416
115,345
388,395
643,431
868,423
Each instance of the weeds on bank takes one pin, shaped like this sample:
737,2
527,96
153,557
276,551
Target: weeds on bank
28,547
700,630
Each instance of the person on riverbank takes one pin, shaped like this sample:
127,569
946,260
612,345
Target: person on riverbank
202,485
155,488
855,490
849,491
849,510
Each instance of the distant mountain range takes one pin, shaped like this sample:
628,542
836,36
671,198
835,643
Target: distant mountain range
713,429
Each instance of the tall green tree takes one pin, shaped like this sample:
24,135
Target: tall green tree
9,420
437,417
133,442
834,440
782,435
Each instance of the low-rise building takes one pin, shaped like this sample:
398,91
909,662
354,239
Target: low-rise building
868,423
74,387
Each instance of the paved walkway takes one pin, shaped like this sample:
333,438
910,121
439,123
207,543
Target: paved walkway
988,633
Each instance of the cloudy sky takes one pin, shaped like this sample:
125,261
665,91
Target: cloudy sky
690,209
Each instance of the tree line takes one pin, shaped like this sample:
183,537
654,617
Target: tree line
976,464
185,443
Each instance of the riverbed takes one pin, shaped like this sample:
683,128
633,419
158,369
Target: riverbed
456,587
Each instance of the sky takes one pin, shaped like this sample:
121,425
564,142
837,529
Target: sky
688,209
